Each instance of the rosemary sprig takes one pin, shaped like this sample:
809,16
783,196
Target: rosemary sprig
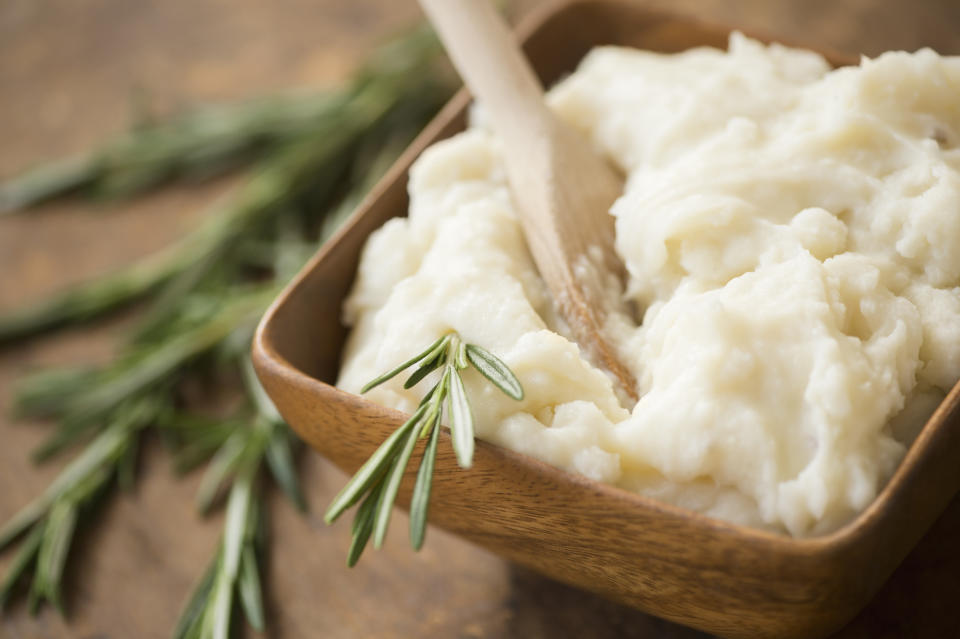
378,479
234,569
50,520
112,406
200,142
85,403
212,139
233,574
314,158
392,92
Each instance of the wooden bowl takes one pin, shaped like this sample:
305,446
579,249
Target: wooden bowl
673,563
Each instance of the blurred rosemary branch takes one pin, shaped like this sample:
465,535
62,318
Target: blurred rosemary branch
311,159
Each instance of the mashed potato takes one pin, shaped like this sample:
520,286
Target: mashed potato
793,236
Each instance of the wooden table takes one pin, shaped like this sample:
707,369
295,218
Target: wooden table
69,72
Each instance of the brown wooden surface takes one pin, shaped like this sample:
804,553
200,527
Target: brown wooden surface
68,69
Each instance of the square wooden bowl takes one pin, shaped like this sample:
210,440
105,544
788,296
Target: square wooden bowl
673,563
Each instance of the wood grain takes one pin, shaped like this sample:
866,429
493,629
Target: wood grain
68,69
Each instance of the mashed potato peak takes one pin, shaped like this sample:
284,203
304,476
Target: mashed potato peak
792,234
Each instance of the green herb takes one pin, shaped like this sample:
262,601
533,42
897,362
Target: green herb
200,143
212,139
391,98
50,520
312,159
234,573
378,480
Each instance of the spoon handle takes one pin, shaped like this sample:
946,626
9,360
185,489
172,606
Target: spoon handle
563,189
491,64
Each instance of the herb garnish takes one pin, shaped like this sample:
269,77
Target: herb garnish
313,157
379,477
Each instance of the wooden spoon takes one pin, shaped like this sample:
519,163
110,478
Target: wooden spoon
562,188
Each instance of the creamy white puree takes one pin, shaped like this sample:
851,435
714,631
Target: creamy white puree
793,234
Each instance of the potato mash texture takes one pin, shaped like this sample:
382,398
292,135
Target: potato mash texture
792,236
